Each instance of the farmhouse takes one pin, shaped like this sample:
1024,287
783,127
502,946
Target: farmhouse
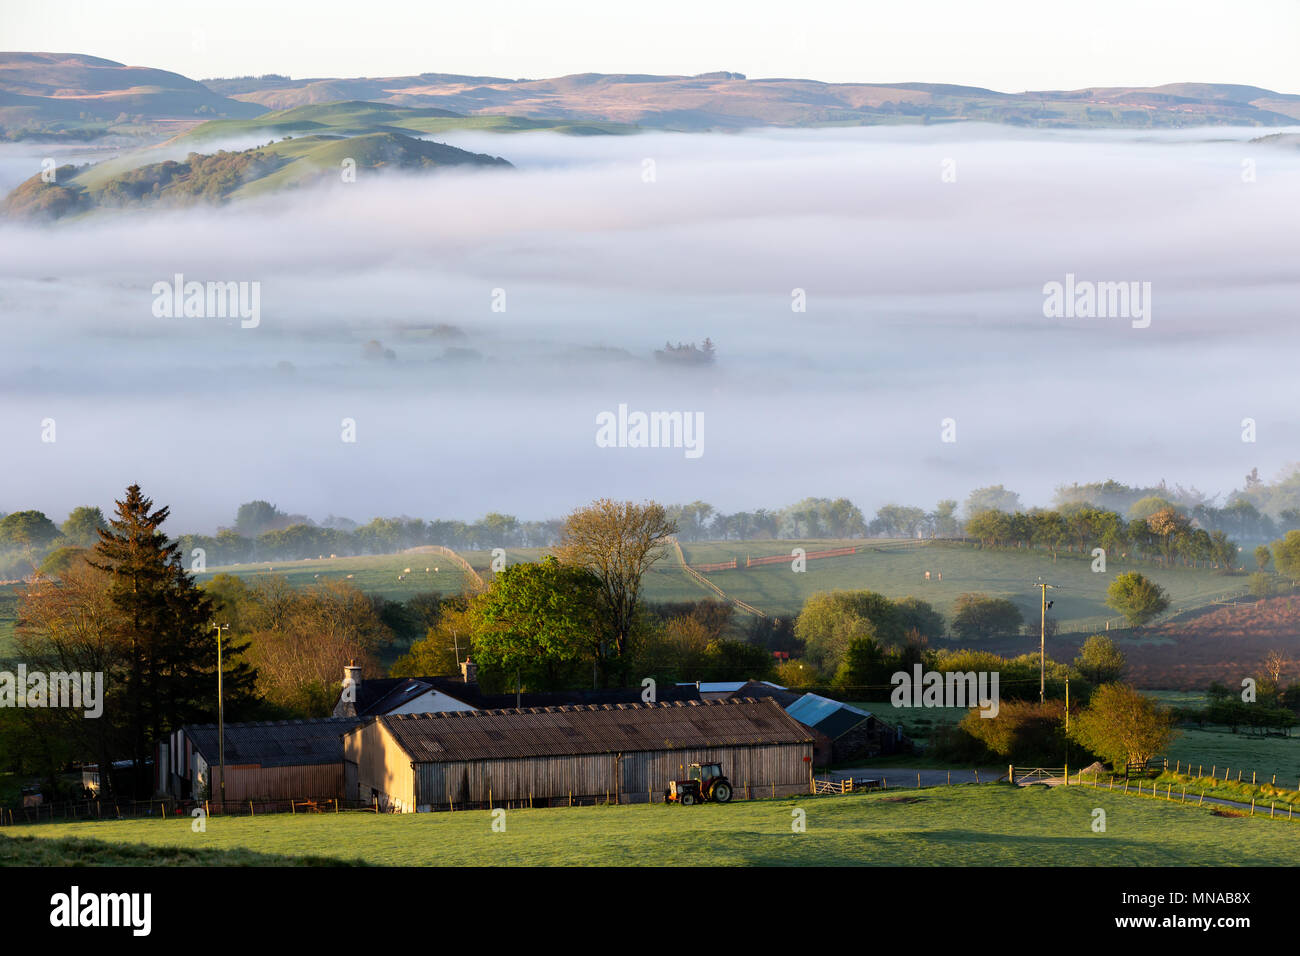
853,734
271,761
549,756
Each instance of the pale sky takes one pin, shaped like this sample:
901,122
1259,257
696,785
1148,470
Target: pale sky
1009,45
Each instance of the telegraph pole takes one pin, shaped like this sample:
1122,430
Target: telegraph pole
221,716
1042,641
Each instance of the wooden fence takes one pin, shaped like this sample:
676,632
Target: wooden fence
706,583
474,578
787,558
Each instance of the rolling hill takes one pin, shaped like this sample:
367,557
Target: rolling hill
40,92
723,100
44,91
221,176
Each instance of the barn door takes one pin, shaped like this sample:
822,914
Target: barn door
635,778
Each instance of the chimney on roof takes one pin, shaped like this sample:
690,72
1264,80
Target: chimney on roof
469,671
352,677
347,705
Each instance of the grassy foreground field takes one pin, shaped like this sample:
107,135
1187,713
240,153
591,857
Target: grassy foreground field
945,826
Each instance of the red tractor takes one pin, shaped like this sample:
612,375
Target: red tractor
704,781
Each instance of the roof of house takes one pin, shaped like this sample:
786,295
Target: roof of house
592,729
762,688
727,686
380,695
830,717
376,696
275,743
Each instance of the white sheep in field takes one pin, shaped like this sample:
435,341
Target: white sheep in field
406,570
349,576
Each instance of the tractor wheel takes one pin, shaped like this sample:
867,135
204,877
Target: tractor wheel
721,792
687,799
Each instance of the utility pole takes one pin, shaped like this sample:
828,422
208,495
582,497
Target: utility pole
1042,642
221,716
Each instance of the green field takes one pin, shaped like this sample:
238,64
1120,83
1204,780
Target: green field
897,569
374,574
355,117
1219,748
943,826
894,568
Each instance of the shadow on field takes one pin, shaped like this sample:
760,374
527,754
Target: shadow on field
77,851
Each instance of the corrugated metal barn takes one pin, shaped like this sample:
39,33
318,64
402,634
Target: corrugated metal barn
625,753
855,734
270,761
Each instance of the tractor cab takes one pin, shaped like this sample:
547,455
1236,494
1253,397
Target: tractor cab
704,772
703,782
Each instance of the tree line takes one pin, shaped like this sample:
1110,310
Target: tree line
1190,528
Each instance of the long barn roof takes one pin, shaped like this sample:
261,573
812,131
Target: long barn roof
275,743
592,729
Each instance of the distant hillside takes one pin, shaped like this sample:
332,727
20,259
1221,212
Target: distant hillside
731,100
355,117
44,91
54,91
217,177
